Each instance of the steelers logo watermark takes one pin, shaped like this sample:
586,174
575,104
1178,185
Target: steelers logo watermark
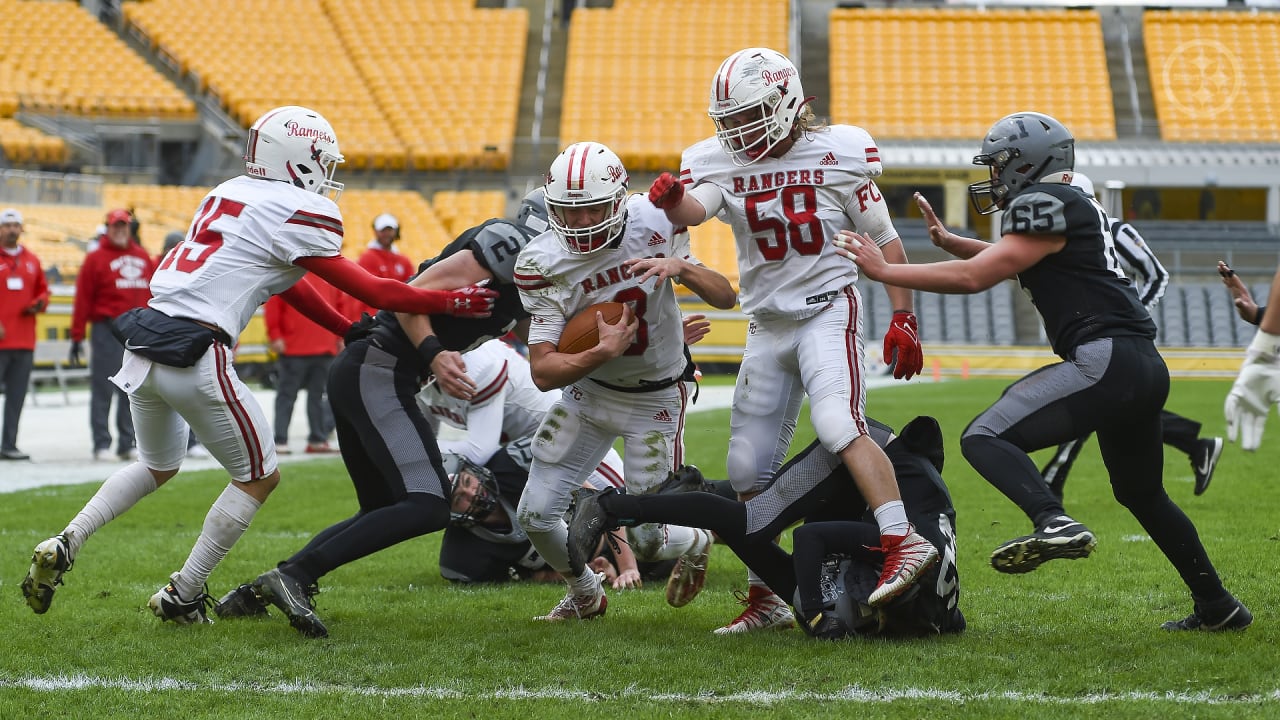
1202,77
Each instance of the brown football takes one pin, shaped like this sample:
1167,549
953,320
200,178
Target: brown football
581,332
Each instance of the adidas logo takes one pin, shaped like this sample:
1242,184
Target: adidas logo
662,416
829,159
656,239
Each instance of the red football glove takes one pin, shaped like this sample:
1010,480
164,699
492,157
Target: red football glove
471,301
902,346
666,192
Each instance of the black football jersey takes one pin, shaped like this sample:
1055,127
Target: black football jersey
1080,292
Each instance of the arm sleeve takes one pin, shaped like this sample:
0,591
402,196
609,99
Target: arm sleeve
710,196
371,290
484,432
304,298
1137,257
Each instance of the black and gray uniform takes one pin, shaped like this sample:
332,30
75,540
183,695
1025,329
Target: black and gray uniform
497,552
816,487
386,441
1111,381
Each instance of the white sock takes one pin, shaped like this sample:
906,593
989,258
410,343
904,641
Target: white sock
587,583
121,491
754,579
892,518
226,521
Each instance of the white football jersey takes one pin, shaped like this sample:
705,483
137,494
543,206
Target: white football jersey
240,249
506,406
555,285
785,213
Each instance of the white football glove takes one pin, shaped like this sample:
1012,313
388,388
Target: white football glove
1256,389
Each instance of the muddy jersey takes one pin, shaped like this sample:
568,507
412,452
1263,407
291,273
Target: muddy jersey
786,211
555,285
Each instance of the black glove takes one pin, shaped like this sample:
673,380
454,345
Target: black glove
76,356
359,329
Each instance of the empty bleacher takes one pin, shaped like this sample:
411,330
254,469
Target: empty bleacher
459,210
1214,75
967,68
638,74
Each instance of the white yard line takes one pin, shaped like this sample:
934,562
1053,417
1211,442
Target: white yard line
853,694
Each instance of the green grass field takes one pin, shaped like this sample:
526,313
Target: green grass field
1078,639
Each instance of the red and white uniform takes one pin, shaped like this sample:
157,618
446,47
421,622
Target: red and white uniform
238,252
584,423
805,334
504,412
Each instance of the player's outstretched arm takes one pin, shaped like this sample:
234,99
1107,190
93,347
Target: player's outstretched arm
304,298
667,194
1248,309
390,294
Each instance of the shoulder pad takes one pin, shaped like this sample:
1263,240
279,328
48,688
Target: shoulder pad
496,245
1035,213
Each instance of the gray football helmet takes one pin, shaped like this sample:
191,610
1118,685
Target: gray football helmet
485,497
533,211
1021,149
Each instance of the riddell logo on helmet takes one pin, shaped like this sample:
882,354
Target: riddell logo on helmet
296,130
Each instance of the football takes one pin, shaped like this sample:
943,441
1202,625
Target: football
581,332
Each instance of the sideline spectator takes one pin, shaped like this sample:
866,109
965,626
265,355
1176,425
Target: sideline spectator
114,278
23,293
304,351
382,259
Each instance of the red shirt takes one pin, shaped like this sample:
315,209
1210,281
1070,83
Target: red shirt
22,288
302,336
385,264
111,281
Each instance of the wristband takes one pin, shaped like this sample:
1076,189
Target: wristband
1257,314
1265,345
429,348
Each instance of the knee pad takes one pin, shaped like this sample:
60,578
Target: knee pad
556,435
743,465
833,422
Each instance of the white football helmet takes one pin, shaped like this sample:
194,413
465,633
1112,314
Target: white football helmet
586,177
760,79
295,145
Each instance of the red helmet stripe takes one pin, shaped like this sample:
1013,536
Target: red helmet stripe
572,182
722,89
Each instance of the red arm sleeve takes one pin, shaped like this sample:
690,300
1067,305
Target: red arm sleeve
372,290
305,299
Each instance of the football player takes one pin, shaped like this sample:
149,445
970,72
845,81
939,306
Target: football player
386,441
253,236
815,486
787,185
1257,387
1112,379
607,245
1149,277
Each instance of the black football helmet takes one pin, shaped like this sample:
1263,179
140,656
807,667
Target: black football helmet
482,502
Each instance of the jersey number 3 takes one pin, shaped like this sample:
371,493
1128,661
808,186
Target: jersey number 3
802,230
202,241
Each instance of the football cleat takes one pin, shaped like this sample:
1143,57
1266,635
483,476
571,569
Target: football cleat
764,611
1060,539
50,560
576,606
1203,461
687,478
588,524
294,599
168,605
689,574
243,601
905,558
1231,616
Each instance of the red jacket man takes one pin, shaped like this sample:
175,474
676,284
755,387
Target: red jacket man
114,278
23,293
304,351
381,260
